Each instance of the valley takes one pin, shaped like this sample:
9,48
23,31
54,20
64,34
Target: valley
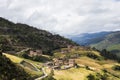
102,40
41,55
84,66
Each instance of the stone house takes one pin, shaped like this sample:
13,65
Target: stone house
69,46
58,62
65,51
71,62
76,47
35,53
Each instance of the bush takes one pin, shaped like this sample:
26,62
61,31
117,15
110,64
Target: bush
116,67
93,56
98,76
91,77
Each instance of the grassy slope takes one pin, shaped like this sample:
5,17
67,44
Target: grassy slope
76,73
73,51
17,60
81,73
115,47
72,74
111,43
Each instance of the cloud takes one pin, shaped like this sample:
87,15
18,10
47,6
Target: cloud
65,17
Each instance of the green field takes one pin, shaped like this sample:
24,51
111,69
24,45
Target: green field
17,61
72,74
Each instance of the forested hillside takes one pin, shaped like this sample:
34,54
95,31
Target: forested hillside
18,36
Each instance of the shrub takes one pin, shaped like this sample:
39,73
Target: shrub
91,77
116,67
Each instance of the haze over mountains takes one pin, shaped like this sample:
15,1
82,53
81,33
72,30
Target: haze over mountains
102,40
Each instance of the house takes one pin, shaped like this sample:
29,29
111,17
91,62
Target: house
71,62
39,51
76,47
69,46
66,62
65,51
35,53
81,48
58,62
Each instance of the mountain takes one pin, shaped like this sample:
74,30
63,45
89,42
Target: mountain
111,42
101,40
15,37
10,71
89,38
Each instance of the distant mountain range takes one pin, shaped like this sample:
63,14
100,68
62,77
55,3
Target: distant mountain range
102,40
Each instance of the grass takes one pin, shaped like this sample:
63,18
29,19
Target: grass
13,58
72,74
88,62
114,47
17,60
73,52
114,74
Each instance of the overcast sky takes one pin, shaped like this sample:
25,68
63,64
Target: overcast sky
65,17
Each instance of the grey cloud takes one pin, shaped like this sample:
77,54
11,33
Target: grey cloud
64,17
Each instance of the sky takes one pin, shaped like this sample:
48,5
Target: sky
64,17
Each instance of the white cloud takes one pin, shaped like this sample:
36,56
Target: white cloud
65,17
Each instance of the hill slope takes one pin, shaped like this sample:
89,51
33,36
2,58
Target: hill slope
8,70
111,43
102,40
19,36
88,62
89,38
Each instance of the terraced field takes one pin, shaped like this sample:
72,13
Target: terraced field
18,60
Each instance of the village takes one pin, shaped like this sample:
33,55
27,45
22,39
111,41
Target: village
60,63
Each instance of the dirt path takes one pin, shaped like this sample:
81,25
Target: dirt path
45,75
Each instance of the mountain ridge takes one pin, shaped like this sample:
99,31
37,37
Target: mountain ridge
103,40
20,36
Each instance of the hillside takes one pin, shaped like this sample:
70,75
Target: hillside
89,38
15,37
102,40
111,42
88,63
8,70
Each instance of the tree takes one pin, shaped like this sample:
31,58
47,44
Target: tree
91,77
116,67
